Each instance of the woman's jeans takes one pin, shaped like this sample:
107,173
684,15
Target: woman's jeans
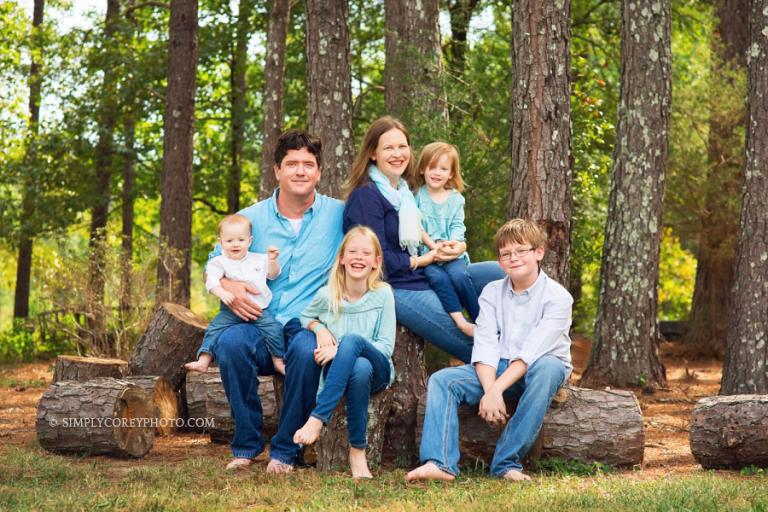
454,287
451,387
357,371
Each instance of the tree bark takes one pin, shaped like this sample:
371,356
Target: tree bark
626,337
413,62
744,370
460,12
82,369
24,262
728,432
329,83
165,399
540,186
114,418
274,76
173,264
129,197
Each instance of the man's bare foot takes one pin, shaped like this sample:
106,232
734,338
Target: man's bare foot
239,463
309,433
358,463
516,476
279,365
278,468
429,471
197,366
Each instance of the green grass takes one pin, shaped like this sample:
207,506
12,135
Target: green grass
31,479
8,382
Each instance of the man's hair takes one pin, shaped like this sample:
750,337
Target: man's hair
296,139
235,218
520,232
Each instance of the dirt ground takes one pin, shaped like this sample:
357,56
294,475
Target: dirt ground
666,413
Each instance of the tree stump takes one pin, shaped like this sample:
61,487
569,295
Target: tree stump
400,439
332,449
100,416
82,369
165,399
172,338
730,431
585,425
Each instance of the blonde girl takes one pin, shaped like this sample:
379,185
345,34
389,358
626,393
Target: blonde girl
353,317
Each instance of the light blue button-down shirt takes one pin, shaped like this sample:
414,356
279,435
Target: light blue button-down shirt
305,258
523,325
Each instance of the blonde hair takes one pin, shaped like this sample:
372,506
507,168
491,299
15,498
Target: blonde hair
521,232
359,173
429,156
235,218
337,279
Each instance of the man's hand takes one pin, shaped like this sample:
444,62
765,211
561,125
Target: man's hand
241,304
492,408
324,355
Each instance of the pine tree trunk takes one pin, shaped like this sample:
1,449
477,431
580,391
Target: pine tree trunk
541,134
82,369
460,12
413,61
173,264
129,197
165,399
329,81
237,113
744,370
274,76
626,338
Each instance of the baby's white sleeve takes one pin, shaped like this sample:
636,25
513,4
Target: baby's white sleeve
214,271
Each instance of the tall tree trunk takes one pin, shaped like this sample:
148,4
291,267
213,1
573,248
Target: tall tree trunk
95,306
329,80
413,61
626,344
745,371
541,126
710,312
237,114
460,12
129,197
274,76
24,262
173,264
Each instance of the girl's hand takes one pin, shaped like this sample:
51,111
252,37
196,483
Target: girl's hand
324,355
450,250
325,338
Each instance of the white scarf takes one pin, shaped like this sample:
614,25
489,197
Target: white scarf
407,211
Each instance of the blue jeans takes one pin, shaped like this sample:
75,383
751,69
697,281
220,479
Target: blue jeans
269,327
454,287
357,371
451,387
421,312
243,356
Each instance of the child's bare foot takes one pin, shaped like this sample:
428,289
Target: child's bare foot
309,433
239,463
278,468
279,365
197,366
429,471
358,463
516,476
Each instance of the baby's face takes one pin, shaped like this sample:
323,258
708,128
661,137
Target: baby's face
235,238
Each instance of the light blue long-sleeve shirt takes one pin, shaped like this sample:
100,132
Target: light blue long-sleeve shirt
523,325
442,221
305,258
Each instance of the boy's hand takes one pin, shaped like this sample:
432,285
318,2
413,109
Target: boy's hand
492,408
324,355
273,252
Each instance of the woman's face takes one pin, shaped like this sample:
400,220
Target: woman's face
392,154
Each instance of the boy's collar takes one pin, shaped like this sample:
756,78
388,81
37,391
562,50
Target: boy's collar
539,279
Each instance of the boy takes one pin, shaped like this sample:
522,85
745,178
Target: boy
254,268
521,349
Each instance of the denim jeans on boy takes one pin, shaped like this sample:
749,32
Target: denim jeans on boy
454,287
269,327
357,371
451,387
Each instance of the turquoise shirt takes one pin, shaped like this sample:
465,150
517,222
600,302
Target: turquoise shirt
442,221
305,258
372,317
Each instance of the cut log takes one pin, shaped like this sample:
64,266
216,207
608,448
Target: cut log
730,431
82,369
400,440
100,416
172,338
332,449
166,401
585,425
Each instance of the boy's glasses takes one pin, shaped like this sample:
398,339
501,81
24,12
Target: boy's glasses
508,255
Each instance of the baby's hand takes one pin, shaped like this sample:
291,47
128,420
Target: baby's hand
273,252
226,297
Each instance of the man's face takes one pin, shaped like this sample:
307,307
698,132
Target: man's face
298,173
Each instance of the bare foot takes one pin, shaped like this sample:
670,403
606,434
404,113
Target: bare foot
239,463
197,366
358,463
516,476
429,471
279,365
278,468
309,433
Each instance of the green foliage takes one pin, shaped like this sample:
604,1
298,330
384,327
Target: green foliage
752,470
25,342
562,467
677,274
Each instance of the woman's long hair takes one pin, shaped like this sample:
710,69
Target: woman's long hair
359,173
337,280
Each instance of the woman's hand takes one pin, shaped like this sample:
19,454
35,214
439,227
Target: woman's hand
324,355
